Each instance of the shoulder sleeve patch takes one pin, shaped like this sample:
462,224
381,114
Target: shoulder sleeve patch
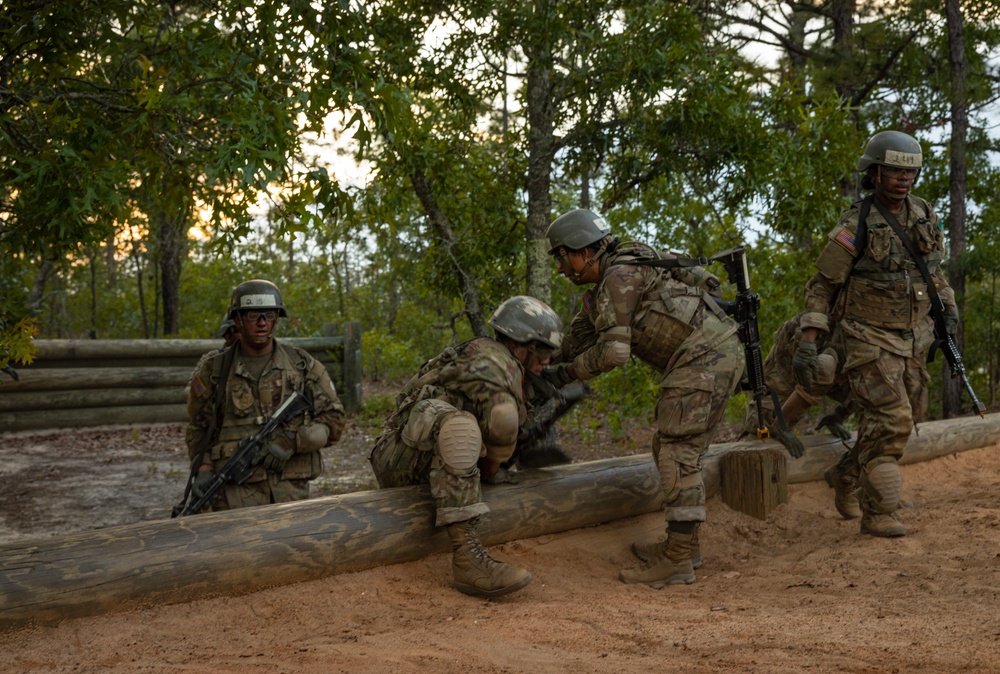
197,387
845,239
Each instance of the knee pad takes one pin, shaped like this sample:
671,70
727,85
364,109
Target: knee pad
503,424
882,483
670,478
459,441
424,418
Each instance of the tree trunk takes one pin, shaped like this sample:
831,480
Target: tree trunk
951,387
173,246
541,152
442,226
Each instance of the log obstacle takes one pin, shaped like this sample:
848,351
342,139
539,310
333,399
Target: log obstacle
241,551
83,382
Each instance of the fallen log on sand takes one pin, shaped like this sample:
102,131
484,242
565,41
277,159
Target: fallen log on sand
240,551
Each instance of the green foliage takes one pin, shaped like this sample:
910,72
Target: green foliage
390,358
374,411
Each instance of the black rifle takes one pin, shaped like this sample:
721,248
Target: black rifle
249,453
943,340
744,311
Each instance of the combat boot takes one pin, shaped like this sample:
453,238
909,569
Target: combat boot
844,497
882,525
650,552
477,573
673,568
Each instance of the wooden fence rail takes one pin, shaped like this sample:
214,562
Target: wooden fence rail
81,382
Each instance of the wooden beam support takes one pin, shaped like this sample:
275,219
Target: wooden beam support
241,551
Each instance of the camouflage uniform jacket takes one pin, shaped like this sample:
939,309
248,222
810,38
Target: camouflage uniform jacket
473,377
878,294
667,318
248,403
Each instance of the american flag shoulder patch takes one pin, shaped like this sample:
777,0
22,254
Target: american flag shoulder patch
197,387
846,239
588,301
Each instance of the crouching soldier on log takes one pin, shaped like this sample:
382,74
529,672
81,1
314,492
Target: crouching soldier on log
233,392
457,421
667,318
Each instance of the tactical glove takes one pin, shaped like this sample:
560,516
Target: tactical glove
835,424
951,320
502,476
274,458
201,482
789,440
805,364
311,438
574,391
558,376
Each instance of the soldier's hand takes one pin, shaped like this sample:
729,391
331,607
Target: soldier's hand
502,476
311,437
574,391
201,482
274,457
805,364
558,376
951,320
835,424
790,441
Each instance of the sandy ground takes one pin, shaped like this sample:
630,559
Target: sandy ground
801,592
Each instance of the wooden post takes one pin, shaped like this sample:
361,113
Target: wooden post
351,368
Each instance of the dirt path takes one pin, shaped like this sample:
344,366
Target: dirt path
802,592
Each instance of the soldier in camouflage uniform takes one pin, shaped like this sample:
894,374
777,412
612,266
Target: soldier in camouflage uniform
830,382
869,284
261,374
669,320
457,421
795,400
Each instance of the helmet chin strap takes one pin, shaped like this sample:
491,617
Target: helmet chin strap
578,276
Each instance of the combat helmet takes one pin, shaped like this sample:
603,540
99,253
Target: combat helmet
575,230
257,294
526,319
227,323
891,148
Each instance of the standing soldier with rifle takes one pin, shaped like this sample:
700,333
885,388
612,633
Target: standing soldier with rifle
234,393
667,317
877,277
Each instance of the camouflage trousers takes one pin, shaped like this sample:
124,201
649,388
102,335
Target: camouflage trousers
692,403
892,394
263,492
397,463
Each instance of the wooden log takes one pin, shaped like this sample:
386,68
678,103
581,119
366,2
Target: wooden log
58,401
132,415
110,349
242,551
66,379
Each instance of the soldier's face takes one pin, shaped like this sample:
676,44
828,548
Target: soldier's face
570,263
537,357
256,328
893,183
